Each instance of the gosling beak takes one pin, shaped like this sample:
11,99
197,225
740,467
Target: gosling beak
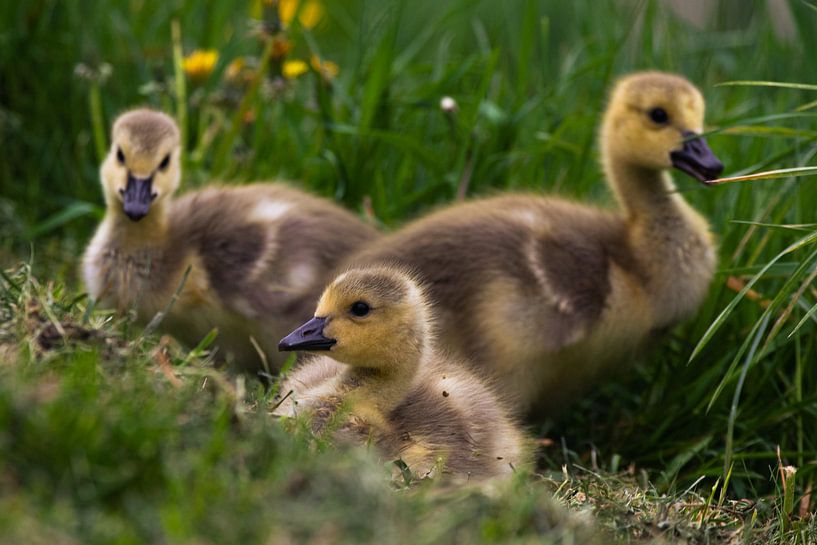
307,337
137,196
696,159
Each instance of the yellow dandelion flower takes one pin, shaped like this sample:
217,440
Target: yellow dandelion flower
327,69
310,12
200,63
293,69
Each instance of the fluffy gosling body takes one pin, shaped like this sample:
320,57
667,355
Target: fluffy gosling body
546,293
409,399
257,254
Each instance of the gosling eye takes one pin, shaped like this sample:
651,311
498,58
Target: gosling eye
659,116
165,162
360,309
120,156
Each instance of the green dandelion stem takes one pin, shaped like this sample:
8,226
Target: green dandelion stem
238,119
178,72
97,121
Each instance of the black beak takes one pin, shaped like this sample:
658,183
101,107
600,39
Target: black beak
137,197
307,337
696,159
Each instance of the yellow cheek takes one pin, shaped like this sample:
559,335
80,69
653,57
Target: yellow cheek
113,181
330,330
164,182
341,332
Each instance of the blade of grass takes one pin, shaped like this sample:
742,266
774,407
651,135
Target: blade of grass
156,321
770,308
767,131
97,120
753,121
10,281
180,82
721,318
768,175
785,227
806,317
709,502
761,83
725,487
806,106
733,409
669,475
66,215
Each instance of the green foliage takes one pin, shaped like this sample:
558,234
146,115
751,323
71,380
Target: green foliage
529,79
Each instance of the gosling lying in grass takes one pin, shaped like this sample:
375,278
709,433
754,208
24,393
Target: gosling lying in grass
258,255
546,294
382,366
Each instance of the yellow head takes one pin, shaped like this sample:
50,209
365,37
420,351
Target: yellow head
142,168
652,121
371,317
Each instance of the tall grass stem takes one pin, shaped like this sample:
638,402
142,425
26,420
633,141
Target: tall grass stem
97,121
179,79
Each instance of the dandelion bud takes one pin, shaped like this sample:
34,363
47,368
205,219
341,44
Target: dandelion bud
449,105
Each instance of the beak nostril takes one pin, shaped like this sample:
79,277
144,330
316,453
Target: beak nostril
696,159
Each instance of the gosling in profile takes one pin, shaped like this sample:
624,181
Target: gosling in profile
547,293
257,254
409,399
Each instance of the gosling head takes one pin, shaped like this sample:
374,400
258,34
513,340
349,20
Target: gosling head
652,122
367,318
142,167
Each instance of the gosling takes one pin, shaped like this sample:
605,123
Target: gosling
548,294
257,255
402,394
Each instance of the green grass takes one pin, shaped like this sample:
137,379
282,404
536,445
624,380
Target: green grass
97,442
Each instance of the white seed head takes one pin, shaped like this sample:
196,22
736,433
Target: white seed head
449,105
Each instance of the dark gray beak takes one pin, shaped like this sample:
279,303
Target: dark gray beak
137,197
307,337
696,159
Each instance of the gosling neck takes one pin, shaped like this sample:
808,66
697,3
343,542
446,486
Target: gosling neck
644,194
386,385
668,238
149,232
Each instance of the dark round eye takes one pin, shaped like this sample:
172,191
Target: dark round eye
165,162
360,309
120,156
658,115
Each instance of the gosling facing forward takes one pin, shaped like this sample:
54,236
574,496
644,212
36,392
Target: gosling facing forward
413,402
257,254
546,293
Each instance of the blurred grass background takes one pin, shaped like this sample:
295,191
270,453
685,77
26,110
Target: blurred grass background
529,78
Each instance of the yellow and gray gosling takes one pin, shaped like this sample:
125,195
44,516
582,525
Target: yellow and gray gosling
405,396
258,254
545,293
